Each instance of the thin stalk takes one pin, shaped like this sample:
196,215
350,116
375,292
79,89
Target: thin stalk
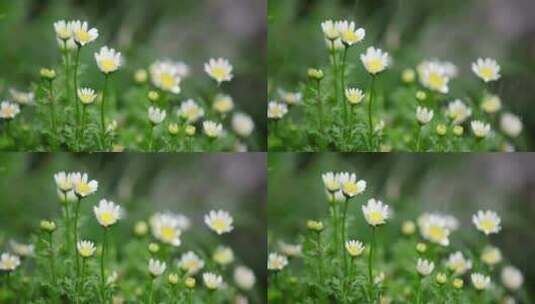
76,64
82,128
346,115
52,106
82,275
336,242
418,133
419,290
102,107
51,258
335,71
342,246
151,290
320,106
76,214
320,275
371,93
151,131
67,73
370,261
102,258
67,225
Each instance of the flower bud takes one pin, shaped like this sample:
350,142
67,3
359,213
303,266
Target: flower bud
421,247
48,226
315,74
441,129
190,282
153,96
141,228
421,95
140,76
154,248
316,226
408,75
48,74
172,278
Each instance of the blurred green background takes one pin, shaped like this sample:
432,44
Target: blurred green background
185,30
459,31
190,184
411,183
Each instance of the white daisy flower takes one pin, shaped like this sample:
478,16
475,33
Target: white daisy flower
63,181
223,103
458,111
331,181
290,98
191,263
487,221
434,228
166,228
276,261
9,110
354,248
486,69
22,98
354,95
348,33
108,60
223,255
242,124
423,115
107,213
190,111
212,281
244,277
166,76
510,124
337,44
512,278
156,268
86,95
9,262
375,212
219,69
212,129
63,30
424,267
434,77
82,34
458,263
349,184
156,115
375,60
480,129
329,30
276,110
491,103
480,281
86,248
20,249
219,221
82,185
291,250
491,255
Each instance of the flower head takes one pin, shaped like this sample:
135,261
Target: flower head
276,261
223,255
423,115
424,267
22,98
156,268
434,77
9,110
63,181
85,248
244,277
190,111
82,34
480,281
291,250
458,263
190,262
166,76
82,185
223,103
219,69
166,228
212,129
348,33
376,213
219,221
63,29
375,60
20,249
86,95
486,69
290,98
458,111
354,248
9,262
480,129
107,213
434,228
212,281
329,30
156,115
108,60
354,95
510,124
491,103
487,221
242,124
512,278
349,184
491,255
331,181
276,110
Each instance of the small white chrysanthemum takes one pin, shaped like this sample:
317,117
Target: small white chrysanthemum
9,110
22,98
348,33
480,281
276,110
434,77
458,111
354,95
223,103
63,30
166,76
349,184
212,129
486,69
331,181
190,111
191,263
82,186
291,250
329,30
86,248
219,221
20,249
86,95
82,34
458,263
108,60
491,255
354,248
219,69
156,268
107,213
212,281
165,227
156,115
242,124
424,267
480,129
276,261
491,103
487,221
375,212
244,277
434,228
63,181
375,60
512,278
290,98
9,262
223,255
510,124
424,115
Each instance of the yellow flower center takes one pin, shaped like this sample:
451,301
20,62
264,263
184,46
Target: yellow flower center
8,264
106,217
486,72
437,233
168,81
82,36
375,65
375,217
487,225
276,112
83,188
436,81
191,265
8,112
350,188
349,37
108,65
85,251
219,73
219,224
168,233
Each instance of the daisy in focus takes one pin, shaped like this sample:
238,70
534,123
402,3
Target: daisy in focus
375,60
219,69
375,212
107,213
108,60
219,221
487,69
487,222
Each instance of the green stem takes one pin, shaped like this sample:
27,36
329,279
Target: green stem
370,261
342,246
67,73
67,225
102,258
319,257
344,104
418,133
52,106
151,130
335,214
151,290
320,107
419,290
76,214
102,108
51,258
335,71
82,128
76,63
371,93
